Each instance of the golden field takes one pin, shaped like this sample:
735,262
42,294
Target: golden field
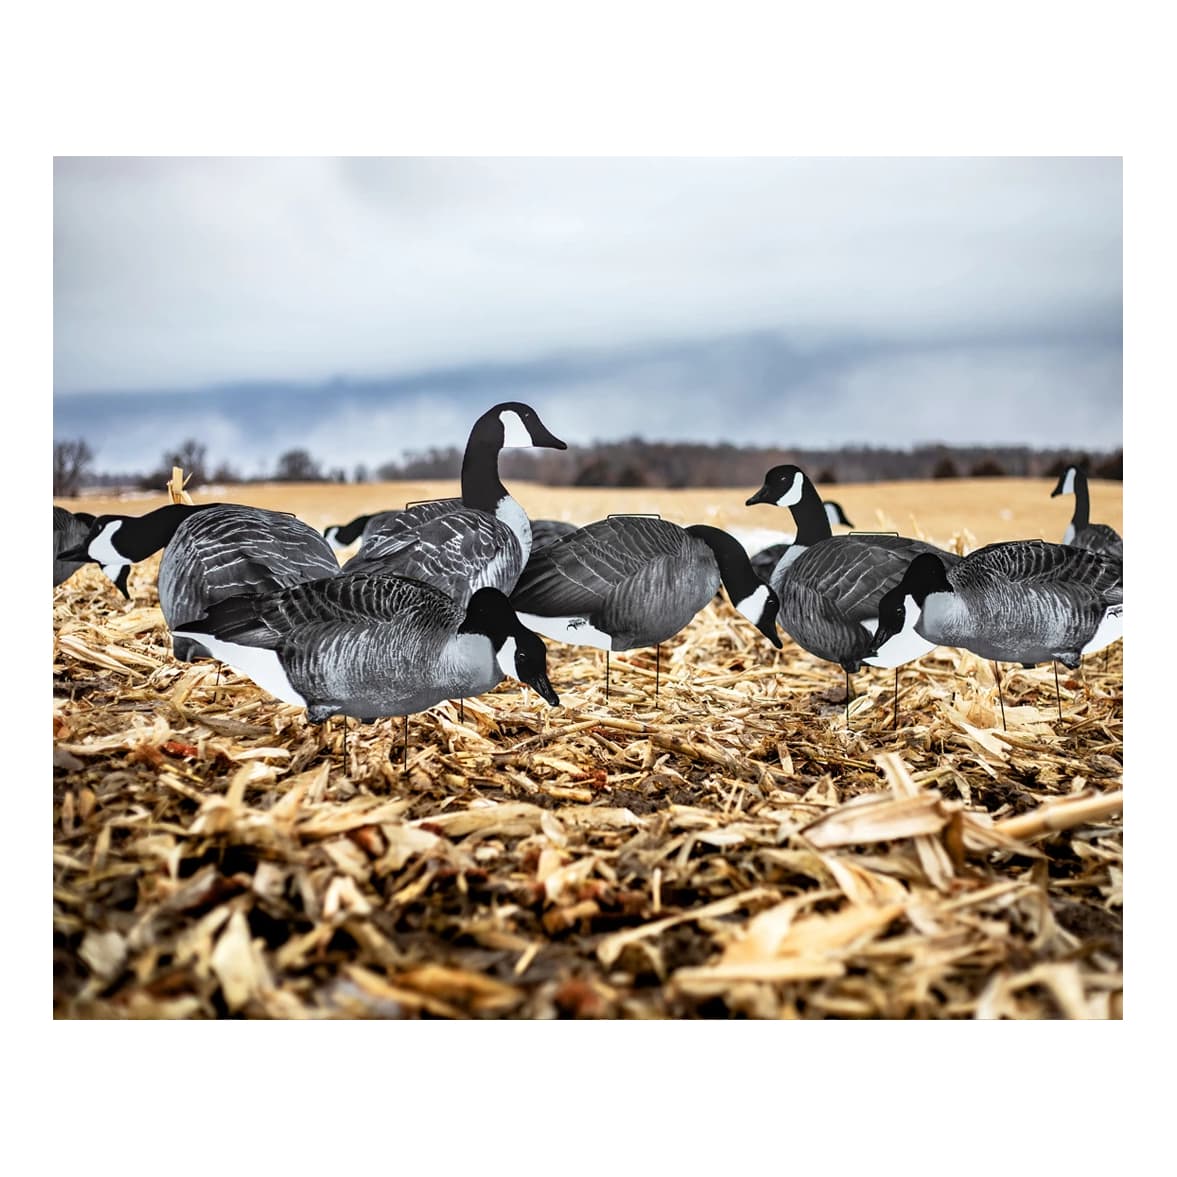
738,841
989,509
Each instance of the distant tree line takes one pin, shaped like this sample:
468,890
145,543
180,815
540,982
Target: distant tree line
629,463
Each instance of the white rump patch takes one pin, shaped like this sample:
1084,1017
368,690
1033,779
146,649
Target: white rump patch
260,665
1069,481
1108,630
574,630
103,550
753,606
905,646
515,433
506,659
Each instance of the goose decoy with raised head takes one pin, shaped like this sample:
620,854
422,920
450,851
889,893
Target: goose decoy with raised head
1081,532
212,551
765,560
830,586
370,646
485,541
70,528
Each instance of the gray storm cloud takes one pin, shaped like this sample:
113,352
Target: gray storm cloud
183,272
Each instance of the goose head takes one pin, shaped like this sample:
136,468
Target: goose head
519,651
110,544
783,487
514,424
900,607
1066,481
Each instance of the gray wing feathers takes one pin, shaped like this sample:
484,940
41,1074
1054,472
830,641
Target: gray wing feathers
232,551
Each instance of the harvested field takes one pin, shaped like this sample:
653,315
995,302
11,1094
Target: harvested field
739,844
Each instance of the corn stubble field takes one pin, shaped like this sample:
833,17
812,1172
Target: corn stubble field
725,847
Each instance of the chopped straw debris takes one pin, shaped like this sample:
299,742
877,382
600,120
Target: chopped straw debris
734,846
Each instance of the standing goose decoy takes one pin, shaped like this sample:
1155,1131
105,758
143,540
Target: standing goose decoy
1024,601
1081,533
631,581
764,561
371,646
830,585
212,551
484,542
70,528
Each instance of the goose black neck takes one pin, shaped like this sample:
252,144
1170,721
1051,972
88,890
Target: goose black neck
350,532
1082,513
735,568
481,487
809,514
142,535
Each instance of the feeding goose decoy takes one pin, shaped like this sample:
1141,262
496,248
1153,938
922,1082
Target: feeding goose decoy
70,528
212,551
1024,601
1081,532
631,580
370,646
483,542
765,560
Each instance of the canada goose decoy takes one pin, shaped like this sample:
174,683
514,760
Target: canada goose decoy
1081,532
484,542
764,561
630,581
70,528
212,551
547,531
378,523
371,646
1024,601
830,586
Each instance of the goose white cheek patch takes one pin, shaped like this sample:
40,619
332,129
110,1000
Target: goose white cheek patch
1069,483
103,550
515,434
752,607
906,645
506,658
793,494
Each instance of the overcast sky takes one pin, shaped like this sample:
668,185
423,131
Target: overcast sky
952,280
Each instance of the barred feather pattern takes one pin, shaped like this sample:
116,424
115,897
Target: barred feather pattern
458,552
229,550
640,580
1025,601
366,646
831,592
69,530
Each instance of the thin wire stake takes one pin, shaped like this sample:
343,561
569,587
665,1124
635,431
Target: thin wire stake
895,709
847,674
997,680
406,735
606,676
1057,696
462,710
657,668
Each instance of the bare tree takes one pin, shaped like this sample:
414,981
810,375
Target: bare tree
297,466
71,460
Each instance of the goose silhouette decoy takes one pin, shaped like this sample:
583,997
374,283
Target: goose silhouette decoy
483,542
630,581
1081,532
70,528
1024,601
212,551
830,586
370,646
765,560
